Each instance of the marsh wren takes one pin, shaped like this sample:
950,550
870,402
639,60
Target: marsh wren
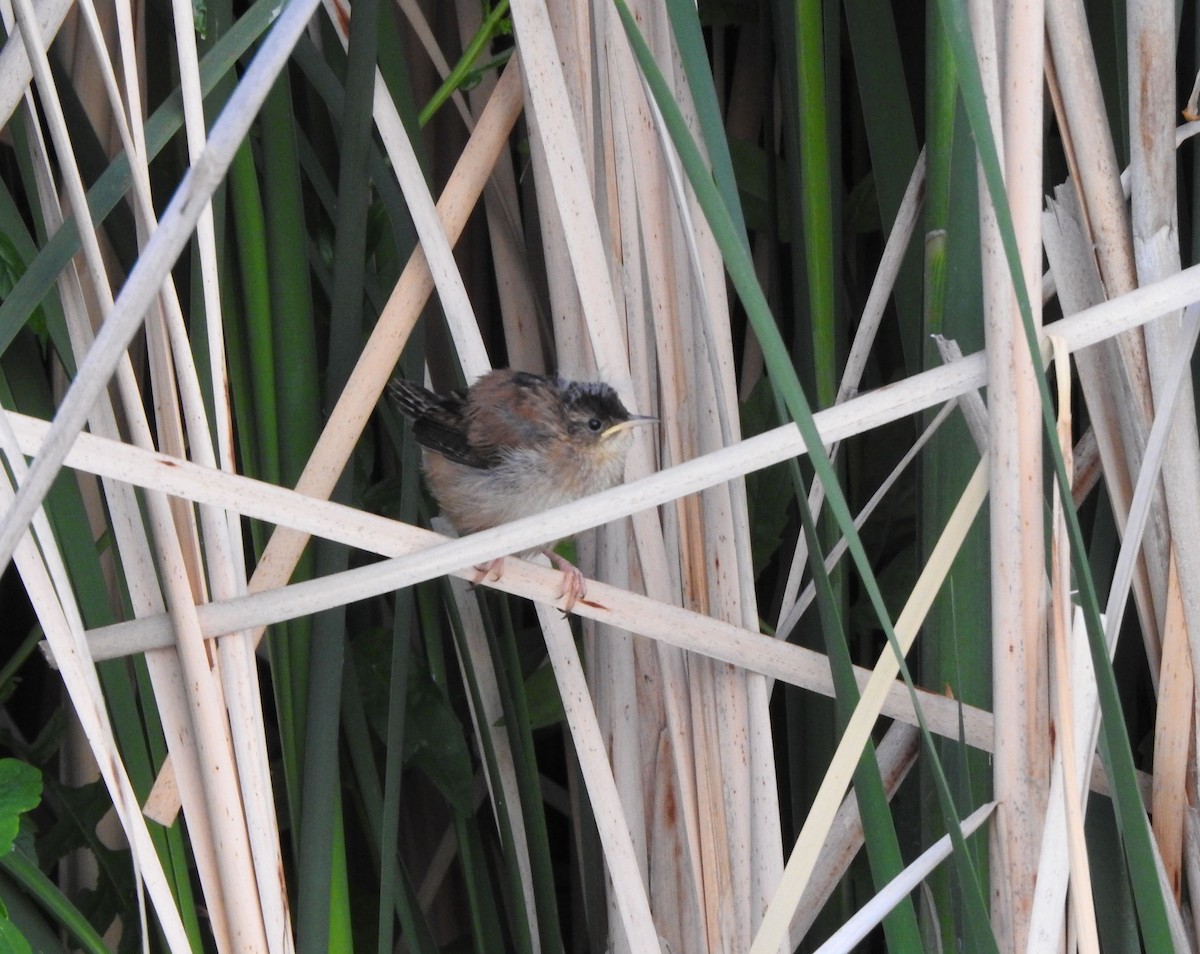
514,444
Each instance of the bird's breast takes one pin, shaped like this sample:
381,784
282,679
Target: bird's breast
522,482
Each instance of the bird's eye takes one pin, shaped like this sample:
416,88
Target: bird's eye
595,424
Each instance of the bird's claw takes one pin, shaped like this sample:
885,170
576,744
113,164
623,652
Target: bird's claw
492,570
574,586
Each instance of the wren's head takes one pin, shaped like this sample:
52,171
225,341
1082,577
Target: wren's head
598,431
593,414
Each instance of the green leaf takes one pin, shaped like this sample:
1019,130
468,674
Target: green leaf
434,740
768,509
12,941
20,792
545,703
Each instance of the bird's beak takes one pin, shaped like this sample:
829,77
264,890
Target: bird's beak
634,421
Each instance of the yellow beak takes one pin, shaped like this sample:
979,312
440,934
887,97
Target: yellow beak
634,421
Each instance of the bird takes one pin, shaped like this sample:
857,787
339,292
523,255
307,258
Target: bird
515,443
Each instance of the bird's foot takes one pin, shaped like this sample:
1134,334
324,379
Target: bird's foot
492,570
574,586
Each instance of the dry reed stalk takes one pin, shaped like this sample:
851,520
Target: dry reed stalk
177,400
478,667
520,308
223,550
1022,760
1154,214
698,270
655,295
628,887
1052,877
706,711
1172,738
15,69
1056,860
655,769
1061,613
1108,393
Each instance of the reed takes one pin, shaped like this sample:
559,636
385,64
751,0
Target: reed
290,722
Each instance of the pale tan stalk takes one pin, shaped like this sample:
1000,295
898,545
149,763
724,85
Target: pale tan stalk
691,339
558,55
720,709
1021,757
1085,128
223,553
1172,736
520,308
1156,251
145,597
1061,616
564,192
490,722
658,768
15,69
223,544
688,292
1056,861
1115,375
1110,400
1052,873
628,885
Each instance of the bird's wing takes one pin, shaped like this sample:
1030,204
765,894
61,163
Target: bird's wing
439,423
446,434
